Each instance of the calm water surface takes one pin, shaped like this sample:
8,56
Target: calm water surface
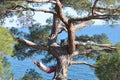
76,72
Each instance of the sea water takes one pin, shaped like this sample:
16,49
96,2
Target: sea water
75,72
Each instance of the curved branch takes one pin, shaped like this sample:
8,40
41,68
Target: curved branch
88,51
32,44
81,25
108,9
42,1
41,66
91,43
95,2
62,29
18,8
43,10
77,63
59,12
90,18
102,47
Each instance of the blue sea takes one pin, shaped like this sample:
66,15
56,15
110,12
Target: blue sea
76,72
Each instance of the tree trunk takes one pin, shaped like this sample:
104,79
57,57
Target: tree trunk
62,67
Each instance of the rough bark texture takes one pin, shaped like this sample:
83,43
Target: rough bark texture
62,67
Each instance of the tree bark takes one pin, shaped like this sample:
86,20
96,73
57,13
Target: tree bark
62,67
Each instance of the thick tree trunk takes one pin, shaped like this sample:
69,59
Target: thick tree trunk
62,68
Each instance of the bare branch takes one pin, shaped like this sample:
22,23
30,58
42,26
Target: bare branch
43,10
90,18
32,44
81,25
102,47
95,2
77,63
42,1
91,43
18,8
59,12
55,27
100,15
62,29
108,9
41,66
88,51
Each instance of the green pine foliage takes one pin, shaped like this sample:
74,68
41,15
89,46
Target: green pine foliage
7,46
108,65
38,33
31,75
97,38
78,4
6,71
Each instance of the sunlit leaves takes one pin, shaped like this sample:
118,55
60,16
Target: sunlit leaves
7,73
1,71
6,41
118,47
7,46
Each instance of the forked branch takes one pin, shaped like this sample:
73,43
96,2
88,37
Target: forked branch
60,15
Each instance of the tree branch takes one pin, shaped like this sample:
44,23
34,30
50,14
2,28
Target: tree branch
41,66
77,63
95,2
71,39
62,29
18,8
59,12
42,1
91,43
81,25
108,9
32,44
88,51
102,15
90,18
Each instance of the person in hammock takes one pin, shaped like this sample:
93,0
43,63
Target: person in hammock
43,67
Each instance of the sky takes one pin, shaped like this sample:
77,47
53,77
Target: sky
41,16
98,27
